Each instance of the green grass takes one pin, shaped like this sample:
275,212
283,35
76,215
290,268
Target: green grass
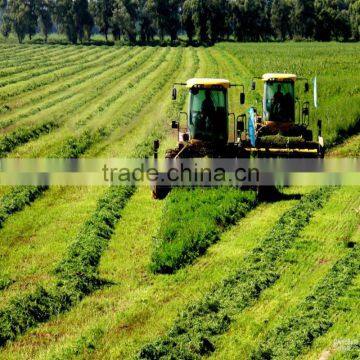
194,331
126,91
53,302
192,221
315,252
336,67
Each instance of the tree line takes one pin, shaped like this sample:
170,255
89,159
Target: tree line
204,21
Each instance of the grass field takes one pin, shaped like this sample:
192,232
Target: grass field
99,101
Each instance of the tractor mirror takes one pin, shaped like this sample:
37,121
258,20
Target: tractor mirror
253,85
242,98
174,94
156,145
186,137
307,87
174,125
240,126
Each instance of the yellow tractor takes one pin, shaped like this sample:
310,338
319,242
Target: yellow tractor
207,131
282,130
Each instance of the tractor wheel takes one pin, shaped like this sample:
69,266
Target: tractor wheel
160,192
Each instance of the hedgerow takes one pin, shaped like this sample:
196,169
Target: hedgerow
193,219
195,330
313,317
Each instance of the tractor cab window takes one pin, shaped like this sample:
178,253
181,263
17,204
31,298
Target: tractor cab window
279,101
208,114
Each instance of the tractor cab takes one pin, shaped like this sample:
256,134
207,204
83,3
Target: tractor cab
208,112
279,97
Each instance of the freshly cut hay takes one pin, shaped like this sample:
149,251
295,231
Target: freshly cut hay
284,142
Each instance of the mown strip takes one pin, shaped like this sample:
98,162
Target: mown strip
194,332
313,317
17,67
23,135
77,274
20,196
43,68
193,219
17,198
15,89
120,61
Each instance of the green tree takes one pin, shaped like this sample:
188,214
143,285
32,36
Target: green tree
200,18
74,19
332,20
65,19
146,18
187,19
123,21
167,14
304,18
217,10
20,16
84,22
44,9
280,15
102,12
354,13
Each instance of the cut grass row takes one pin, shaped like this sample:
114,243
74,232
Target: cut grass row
25,195
88,240
31,85
195,330
170,77
107,112
24,134
25,73
33,104
314,316
26,54
47,58
193,220
314,252
77,273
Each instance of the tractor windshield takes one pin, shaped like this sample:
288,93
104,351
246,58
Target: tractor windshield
279,101
208,115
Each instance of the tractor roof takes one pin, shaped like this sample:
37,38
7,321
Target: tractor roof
207,83
279,77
